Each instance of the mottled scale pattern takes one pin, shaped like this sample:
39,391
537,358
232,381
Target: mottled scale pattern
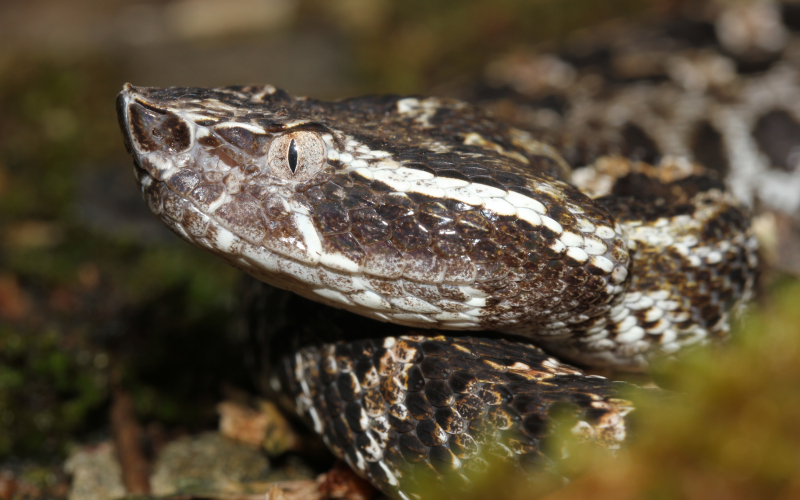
428,213
714,83
694,260
420,413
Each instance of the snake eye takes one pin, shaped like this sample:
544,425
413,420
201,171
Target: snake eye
293,156
297,155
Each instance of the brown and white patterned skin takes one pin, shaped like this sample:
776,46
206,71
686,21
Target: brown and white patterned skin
428,415
427,213
718,85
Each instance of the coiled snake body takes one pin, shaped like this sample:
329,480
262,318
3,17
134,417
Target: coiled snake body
427,213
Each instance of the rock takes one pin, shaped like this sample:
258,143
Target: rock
265,427
96,474
207,463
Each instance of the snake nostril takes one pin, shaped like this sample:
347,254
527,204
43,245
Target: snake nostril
148,130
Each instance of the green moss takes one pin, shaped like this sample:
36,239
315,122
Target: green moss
208,281
45,394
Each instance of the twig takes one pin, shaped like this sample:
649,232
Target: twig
127,438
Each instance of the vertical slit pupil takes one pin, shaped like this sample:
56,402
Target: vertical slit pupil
293,156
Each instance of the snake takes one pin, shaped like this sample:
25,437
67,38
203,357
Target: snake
429,213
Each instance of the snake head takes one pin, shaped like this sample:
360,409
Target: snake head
423,212
225,169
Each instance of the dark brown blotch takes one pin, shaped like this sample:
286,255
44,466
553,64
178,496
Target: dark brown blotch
333,402
435,367
414,380
348,386
394,206
448,243
353,415
210,142
366,373
778,136
358,197
332,217
314,195
369,227
409,234
474,225
344,436
507,233
412,448
463,382
434,215
536,425
438,393
250,142
486,251
708,148
430,433
418,406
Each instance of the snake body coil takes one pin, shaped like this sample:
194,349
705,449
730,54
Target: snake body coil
427,213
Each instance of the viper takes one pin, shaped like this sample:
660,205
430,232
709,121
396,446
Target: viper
429,213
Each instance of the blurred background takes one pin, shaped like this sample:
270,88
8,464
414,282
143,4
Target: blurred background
106,315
